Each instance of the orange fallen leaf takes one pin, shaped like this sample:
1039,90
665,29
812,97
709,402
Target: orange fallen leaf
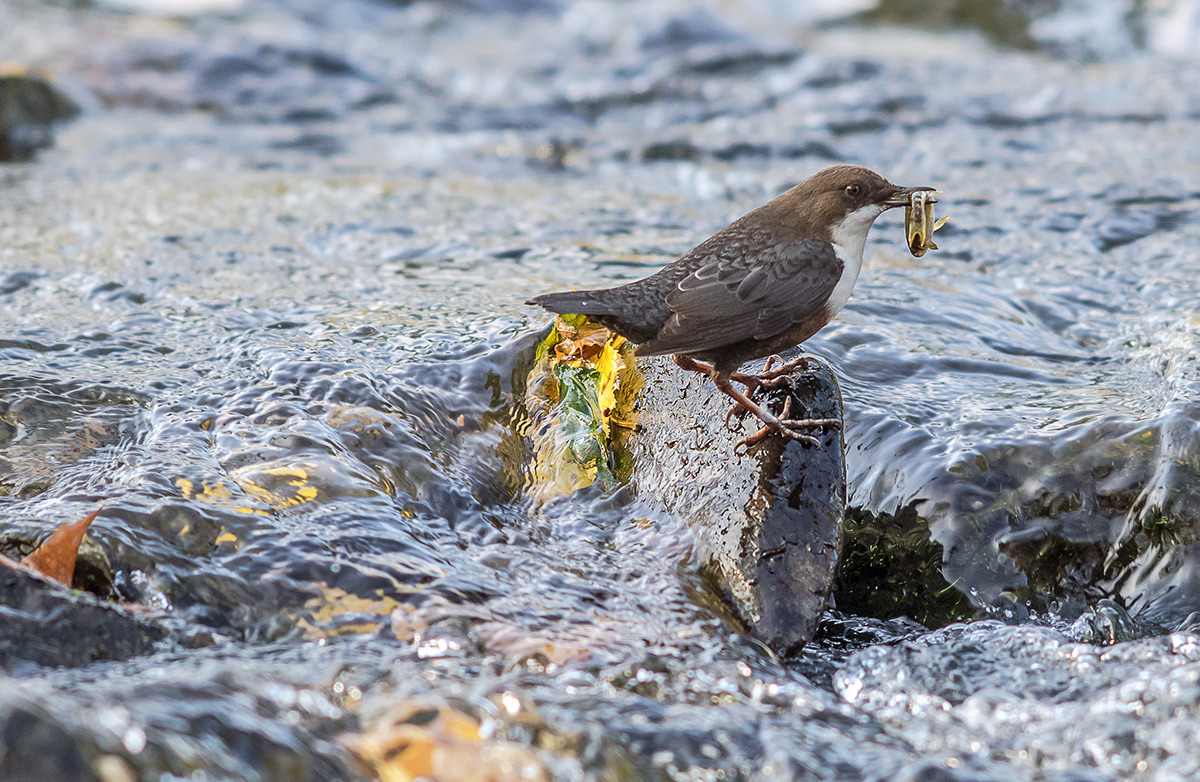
55,558
581,343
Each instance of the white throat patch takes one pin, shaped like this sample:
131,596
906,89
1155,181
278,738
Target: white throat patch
849,241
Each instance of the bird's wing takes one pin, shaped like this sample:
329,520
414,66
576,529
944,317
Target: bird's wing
731,299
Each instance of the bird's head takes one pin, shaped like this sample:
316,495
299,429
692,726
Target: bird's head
840,203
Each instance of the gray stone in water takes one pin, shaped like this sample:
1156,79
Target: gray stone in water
44,623
770,521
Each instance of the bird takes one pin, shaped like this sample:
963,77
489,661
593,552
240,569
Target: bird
762,285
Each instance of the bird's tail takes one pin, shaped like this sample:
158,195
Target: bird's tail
573,303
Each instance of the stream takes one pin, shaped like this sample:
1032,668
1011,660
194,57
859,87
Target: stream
263,301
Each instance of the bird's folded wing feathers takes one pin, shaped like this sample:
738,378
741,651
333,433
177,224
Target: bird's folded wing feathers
733,299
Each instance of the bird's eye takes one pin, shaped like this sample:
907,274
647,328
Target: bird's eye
853,190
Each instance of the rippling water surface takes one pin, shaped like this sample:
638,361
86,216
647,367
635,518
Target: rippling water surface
263,301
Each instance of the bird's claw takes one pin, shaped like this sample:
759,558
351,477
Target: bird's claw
735,409
744,445
788,430
785,427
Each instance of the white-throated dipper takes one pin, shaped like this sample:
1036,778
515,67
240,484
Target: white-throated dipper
761,285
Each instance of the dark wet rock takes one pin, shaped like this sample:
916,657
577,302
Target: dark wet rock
15,281
1129,224
240,80
1004,21
770,521
47,624
671,150
29,109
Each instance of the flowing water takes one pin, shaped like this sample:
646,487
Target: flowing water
263,301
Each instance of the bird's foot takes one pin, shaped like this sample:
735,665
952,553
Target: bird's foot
785,426
782,425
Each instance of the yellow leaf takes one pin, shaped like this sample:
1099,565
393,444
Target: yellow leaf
572,413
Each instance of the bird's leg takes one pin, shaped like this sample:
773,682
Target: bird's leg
692,365
751,382
786,428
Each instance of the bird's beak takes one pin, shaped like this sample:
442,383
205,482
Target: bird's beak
902,196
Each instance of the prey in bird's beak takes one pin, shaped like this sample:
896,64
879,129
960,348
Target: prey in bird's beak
919,223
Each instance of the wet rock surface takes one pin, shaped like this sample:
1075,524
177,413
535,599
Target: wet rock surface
209,715
263,301
44,624
770,518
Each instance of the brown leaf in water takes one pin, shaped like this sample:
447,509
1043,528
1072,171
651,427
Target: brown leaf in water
581,343
55,558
